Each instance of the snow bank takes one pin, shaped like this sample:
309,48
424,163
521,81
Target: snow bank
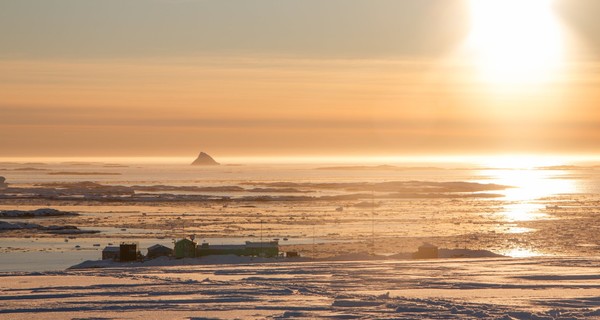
173,262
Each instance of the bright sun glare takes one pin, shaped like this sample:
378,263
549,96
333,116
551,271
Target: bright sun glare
515,42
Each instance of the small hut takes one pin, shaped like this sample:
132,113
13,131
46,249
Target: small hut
158,250
426,251
185,248
292,254
110,253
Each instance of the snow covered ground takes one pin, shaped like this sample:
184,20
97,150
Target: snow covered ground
491,288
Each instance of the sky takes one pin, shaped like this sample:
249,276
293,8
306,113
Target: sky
299,77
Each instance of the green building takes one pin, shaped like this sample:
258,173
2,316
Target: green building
258,249
206,249
267,249
185,248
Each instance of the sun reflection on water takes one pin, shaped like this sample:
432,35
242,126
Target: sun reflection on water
517,230
521,253
523,211
531,184
527,187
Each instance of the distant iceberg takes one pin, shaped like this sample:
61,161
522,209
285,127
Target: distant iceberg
204,160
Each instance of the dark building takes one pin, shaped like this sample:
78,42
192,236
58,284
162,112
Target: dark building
158,250
128,252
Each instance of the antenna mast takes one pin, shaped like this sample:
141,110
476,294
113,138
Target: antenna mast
372,222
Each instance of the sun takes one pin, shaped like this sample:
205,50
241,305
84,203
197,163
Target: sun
515,42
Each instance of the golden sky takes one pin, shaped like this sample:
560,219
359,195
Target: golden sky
337,77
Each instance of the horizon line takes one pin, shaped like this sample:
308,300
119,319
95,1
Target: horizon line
523,160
